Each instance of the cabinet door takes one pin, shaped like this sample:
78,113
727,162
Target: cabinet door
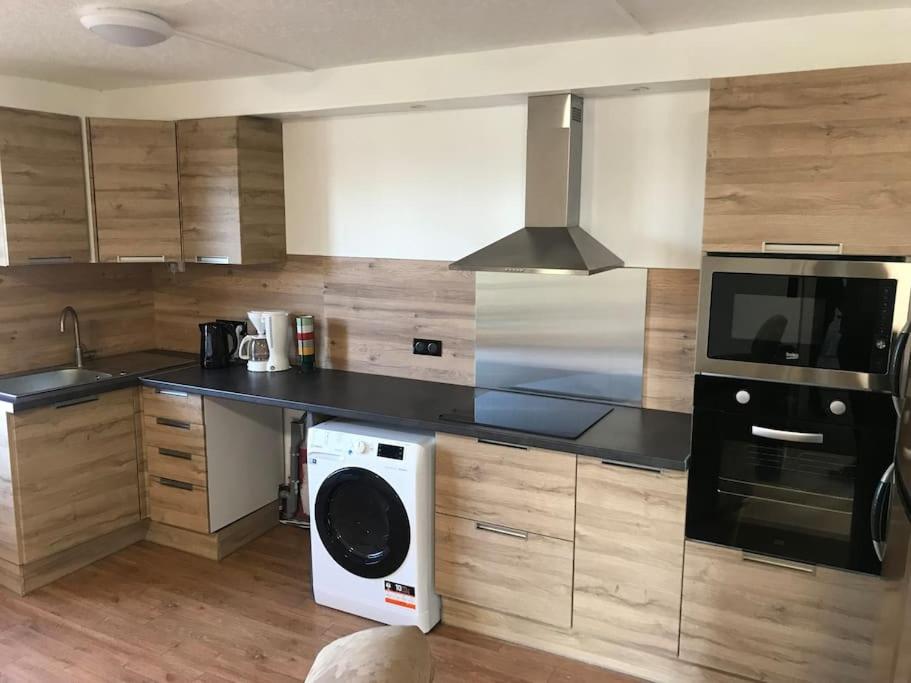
777,623
517,487
232,199
505,570
75,472
629,554
816,158
209,190
134,178
42,178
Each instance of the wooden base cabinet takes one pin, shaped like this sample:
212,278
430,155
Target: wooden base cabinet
793,624
69,484
213,470
504,524
629,554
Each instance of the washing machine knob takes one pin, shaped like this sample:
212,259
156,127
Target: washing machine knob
360,447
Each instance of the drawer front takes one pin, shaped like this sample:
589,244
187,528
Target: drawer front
180,504
496,568
521,488
165,432
173,405
171,463
777,623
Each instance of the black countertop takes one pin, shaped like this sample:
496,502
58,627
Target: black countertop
632,436
126,369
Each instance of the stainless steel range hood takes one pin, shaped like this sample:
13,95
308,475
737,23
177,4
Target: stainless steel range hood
551,241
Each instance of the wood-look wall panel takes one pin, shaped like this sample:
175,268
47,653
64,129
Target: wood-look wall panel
114,302
811,157
366,311
670,339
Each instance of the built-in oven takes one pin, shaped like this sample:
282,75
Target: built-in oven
834,323
788,471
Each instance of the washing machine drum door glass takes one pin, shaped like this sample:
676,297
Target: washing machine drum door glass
362,523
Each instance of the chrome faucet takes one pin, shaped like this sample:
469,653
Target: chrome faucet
72,312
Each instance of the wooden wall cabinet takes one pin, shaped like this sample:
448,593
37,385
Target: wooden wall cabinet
42,176
629,554
810,160
232,200
777,623
134,181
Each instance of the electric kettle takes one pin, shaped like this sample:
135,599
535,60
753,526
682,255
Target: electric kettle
217,343
267,350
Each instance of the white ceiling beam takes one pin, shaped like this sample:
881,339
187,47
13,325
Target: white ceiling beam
628,13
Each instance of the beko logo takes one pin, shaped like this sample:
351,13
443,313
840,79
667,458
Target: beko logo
791,355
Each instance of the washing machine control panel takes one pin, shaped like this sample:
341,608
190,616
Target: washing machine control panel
346,445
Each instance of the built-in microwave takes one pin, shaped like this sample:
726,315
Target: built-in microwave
824,322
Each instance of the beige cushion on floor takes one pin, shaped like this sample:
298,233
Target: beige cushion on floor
388,654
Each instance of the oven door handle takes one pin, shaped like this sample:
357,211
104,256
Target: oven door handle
879,517
897,363
781,435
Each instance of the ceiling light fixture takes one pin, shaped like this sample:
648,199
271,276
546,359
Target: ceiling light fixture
135,28
127,27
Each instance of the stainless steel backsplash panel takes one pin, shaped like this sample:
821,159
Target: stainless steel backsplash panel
562,334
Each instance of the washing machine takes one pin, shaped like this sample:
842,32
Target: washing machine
371,522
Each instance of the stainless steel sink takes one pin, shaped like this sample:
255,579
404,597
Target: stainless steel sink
49,380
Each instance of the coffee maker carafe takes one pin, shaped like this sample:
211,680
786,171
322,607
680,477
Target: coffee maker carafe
267,350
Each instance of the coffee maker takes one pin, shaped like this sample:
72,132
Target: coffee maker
267,350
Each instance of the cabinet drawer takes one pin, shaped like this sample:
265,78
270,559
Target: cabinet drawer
164,432
171,463
178,503
173,405
521,488
776,623
505,570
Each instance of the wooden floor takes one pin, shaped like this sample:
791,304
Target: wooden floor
152,613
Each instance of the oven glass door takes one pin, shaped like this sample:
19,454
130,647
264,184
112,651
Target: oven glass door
753,487
831,323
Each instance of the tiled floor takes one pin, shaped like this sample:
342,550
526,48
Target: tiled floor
152,613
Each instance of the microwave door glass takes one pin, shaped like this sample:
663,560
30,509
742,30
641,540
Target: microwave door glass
818,322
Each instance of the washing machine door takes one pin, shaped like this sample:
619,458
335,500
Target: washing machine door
362,522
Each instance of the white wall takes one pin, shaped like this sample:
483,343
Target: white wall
26,93
440,184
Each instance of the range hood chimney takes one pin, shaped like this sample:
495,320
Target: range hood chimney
551,241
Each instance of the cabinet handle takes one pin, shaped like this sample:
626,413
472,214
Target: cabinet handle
177,424
216,260
174,484
141,259
781,435
799,248
631,465
50,259
171,453
489,442
172,392
502,530
75,402
775,562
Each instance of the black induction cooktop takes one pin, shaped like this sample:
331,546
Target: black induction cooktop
566,418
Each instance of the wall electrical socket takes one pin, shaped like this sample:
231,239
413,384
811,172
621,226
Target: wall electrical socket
427,347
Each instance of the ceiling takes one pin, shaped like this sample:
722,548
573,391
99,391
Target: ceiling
43,39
